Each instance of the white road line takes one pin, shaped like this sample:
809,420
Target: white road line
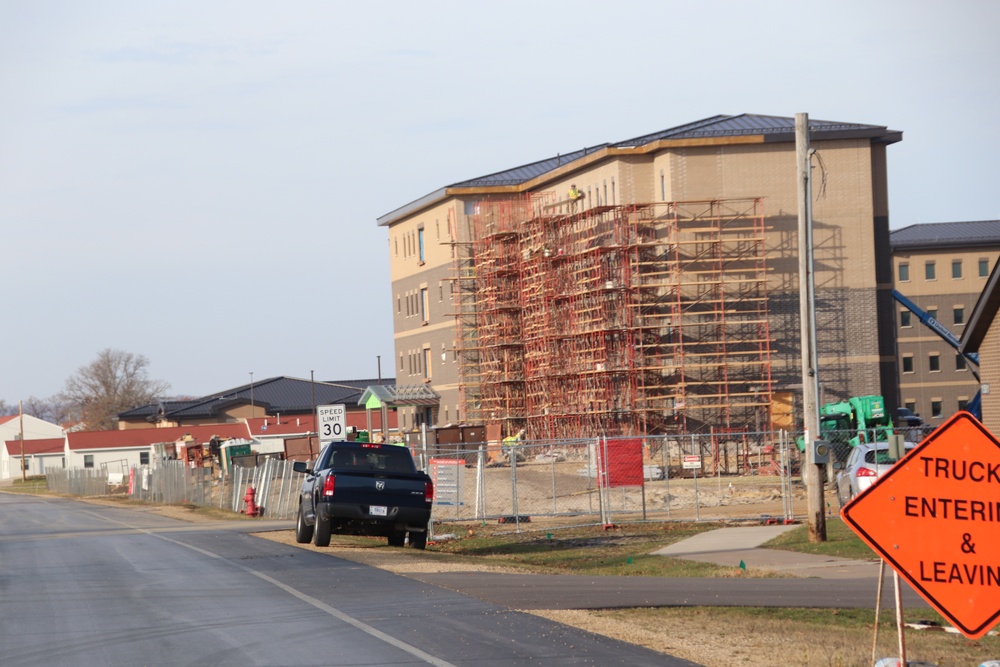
318,604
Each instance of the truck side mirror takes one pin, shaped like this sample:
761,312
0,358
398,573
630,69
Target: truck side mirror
300,466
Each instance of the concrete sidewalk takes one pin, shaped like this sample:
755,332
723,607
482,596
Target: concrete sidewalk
730,546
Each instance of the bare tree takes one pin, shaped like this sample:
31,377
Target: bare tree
114,382
53,409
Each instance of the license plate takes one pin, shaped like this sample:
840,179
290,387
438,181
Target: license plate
378,510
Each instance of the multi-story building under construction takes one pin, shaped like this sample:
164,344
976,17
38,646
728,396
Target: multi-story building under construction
646,286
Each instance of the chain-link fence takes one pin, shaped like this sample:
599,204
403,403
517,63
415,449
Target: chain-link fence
744,475
729,476
79,482
275,485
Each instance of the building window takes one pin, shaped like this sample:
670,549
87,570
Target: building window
88,460
25,465
959,314
614,198
960,363
908,364
936,408
904,273
904,319
934,362
663,187
402,364
144,458
425,305
984,268
911,406
956,268
932,312
930,271
420,243
427,363
963,403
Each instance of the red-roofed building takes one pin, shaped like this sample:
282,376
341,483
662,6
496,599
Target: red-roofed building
119,450
34,429
38,455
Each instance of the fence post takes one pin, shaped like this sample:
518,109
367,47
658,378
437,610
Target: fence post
697,509
513,488
481,483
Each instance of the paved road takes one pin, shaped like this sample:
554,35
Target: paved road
528,591
820,581
96,586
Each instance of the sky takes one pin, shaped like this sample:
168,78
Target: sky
199,182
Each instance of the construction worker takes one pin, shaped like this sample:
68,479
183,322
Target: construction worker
574,194
511,444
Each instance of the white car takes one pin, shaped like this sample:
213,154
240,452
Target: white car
866,463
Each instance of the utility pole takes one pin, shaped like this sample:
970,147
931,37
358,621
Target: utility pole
812,475
312,385
20,412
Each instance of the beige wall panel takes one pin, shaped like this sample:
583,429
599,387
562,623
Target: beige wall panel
403,240
989,353
944,294
844,253
919,287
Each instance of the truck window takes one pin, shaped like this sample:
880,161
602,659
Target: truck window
390,459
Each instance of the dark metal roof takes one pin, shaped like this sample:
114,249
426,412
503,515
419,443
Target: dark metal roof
279,395
772,128
946,234
526,172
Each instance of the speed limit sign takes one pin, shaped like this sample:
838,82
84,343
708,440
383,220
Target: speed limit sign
332,420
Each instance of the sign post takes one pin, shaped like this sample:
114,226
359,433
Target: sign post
332,421
935,518
692,462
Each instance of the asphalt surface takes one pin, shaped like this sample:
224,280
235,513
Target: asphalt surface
92,586
810,581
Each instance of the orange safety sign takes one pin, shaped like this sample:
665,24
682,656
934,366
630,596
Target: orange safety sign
935,518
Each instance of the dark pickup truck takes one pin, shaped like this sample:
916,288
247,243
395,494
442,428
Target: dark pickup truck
364,489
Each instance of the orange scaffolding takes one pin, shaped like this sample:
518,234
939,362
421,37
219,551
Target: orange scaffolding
614,320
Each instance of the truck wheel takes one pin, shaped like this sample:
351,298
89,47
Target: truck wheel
397,538
321,536
303,533
418,540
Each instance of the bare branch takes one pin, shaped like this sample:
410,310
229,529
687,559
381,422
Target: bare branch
114,382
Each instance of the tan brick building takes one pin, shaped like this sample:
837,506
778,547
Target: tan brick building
942,268
982,336
678,234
